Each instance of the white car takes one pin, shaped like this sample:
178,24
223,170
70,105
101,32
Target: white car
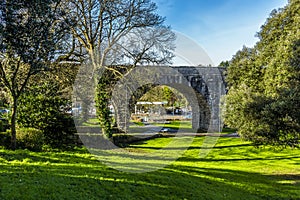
164,130
4,111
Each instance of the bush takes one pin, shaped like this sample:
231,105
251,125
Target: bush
30,138
3,125
42,108
5,139
60,132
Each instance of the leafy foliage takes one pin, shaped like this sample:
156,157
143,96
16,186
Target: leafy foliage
30,33
224,64
164,93
41,107
30,138
264,95
5,139
3,124
103,95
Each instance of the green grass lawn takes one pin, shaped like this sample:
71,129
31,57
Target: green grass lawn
92,122
232,170
175,124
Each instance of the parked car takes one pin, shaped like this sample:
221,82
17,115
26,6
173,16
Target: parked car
188,117
164,130
4,111
168,130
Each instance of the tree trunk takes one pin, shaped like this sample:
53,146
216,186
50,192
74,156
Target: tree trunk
103,112
85,110
13,124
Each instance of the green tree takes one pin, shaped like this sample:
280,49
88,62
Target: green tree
158,93
263,99
165,93
44,106
30,32
224,64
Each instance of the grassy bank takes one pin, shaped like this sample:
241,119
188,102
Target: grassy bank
232,170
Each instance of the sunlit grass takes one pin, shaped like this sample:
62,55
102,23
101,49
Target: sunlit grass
183,126
92,122
137,123
232,170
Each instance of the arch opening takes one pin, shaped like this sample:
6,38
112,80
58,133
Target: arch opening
161,106
172,102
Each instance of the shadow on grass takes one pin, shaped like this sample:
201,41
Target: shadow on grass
189,148
265,186
237,159
43,157
74,175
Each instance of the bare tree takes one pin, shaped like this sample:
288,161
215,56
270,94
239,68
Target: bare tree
102,24
120,33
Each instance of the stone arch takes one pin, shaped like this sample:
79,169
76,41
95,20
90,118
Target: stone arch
200,86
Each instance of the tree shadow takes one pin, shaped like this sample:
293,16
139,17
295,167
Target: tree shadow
77,176
136,146
189,159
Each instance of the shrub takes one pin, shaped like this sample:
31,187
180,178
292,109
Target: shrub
42,108
3,125
30,138
60,132
5,139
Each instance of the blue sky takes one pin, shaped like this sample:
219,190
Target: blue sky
220,27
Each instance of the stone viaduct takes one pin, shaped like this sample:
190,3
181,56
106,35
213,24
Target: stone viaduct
203,87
